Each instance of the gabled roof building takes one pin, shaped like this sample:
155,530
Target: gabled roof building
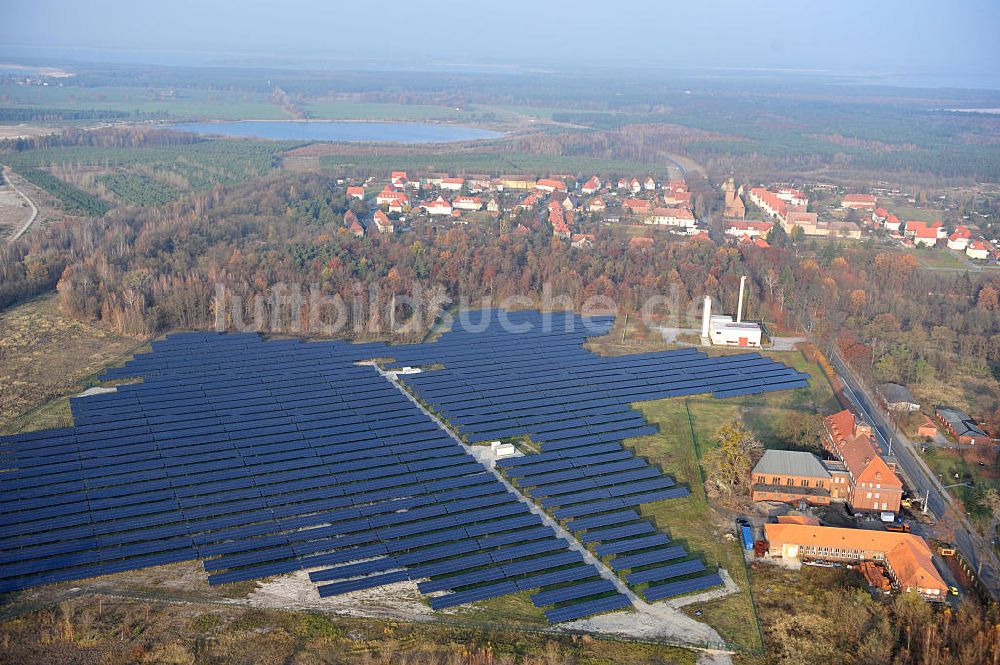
873,484
961,426
858,201
960,238
791,476
906,557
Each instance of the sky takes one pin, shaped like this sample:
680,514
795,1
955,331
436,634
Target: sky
930,44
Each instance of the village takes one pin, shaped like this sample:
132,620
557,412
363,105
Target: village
750,216
518,201
859,216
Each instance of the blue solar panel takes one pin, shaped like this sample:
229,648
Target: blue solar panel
572,574
453,565
619,517
434,553
541,563
327,590
262,457
465,579
589,508
661,573
646,558
499,526
631,544
649,497
640,487
587,608
471,595
578,497
683,586
528,549
614,533
519,536
573,592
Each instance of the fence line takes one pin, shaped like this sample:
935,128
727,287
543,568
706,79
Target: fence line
759,650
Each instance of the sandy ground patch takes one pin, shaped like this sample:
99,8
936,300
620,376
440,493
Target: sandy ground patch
295,591
403,601
14,211
25,131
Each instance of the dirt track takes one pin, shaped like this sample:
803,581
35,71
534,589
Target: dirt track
9,183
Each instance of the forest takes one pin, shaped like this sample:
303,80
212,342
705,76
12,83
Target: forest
73,199
49,115
144,271
135,166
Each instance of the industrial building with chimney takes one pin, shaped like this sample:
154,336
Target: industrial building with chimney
722,330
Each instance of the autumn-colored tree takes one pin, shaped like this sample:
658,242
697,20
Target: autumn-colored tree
858,300
728,466
802,430
988,299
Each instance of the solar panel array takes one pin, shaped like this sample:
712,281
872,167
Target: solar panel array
577,406
597,502
544,384
263,458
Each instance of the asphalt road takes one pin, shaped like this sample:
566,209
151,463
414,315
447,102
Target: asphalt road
919,478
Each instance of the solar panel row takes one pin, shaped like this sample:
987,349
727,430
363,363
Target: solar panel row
660,573
587,608
573,592
683,586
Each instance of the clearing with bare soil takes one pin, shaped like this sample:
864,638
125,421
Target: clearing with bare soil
15,211
45,357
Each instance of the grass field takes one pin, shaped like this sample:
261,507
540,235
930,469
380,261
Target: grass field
966,471
690,520
938,258
178,104
678,448
44,357
908,212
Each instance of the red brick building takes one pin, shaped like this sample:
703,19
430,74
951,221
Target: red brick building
790,477
961,426
872,482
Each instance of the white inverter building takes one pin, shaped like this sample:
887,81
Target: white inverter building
723,330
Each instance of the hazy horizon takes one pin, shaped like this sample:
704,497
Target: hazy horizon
892,43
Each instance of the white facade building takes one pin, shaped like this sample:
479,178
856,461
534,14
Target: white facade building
723,331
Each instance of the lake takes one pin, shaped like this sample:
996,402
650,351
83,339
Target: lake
354,132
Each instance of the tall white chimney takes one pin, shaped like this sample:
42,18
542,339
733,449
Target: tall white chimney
706,316
739,307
